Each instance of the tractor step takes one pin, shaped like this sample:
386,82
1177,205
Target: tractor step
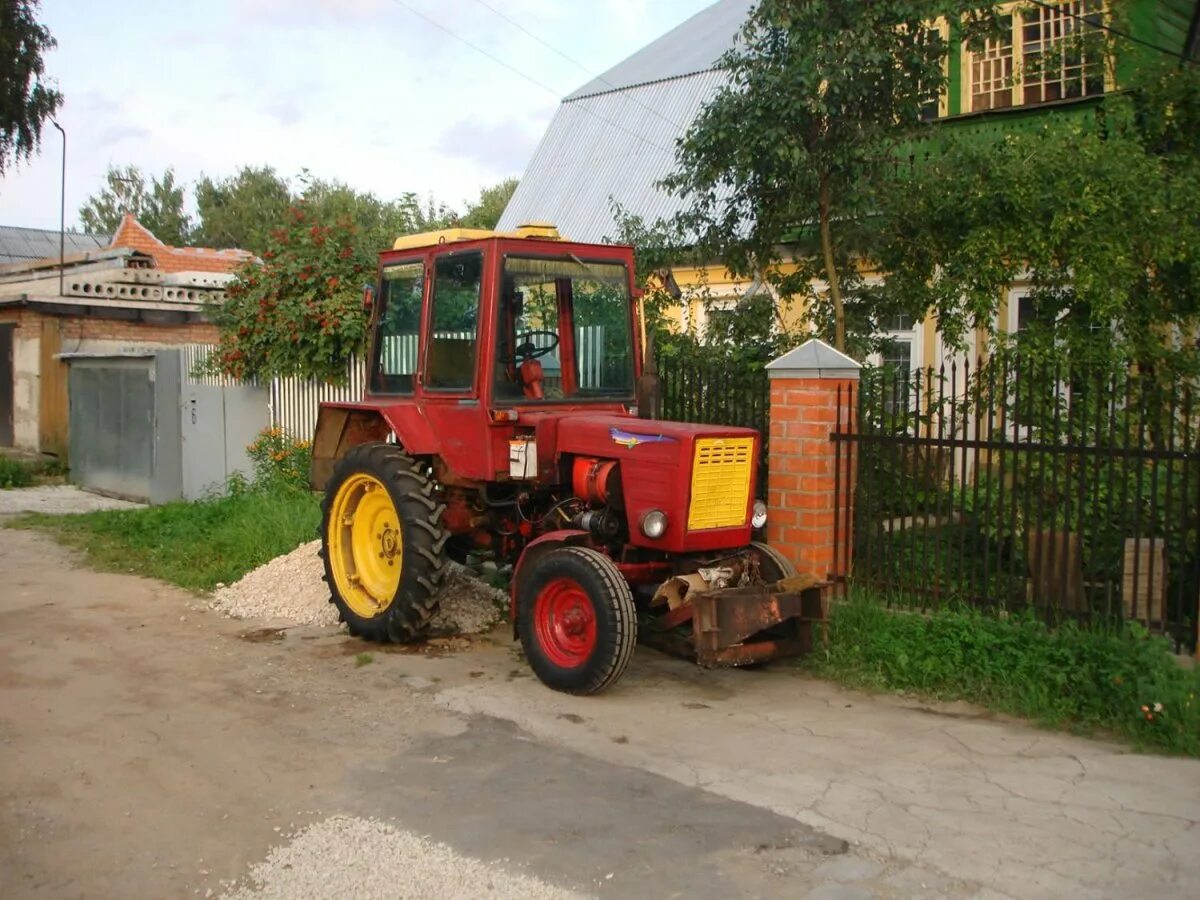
741,626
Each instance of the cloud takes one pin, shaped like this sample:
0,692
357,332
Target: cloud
504,147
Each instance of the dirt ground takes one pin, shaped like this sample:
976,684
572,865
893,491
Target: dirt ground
154,748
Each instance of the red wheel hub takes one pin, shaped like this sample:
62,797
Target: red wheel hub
565,623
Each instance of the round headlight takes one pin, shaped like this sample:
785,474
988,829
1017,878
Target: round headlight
654,524
758,518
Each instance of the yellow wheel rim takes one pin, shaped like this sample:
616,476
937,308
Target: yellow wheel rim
366,547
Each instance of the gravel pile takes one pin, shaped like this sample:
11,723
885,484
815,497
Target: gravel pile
362,859
290,589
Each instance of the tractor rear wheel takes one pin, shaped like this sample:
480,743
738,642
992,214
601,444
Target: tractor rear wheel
577,621
772,565
382,542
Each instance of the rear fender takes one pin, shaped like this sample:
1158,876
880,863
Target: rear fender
338,429
533,551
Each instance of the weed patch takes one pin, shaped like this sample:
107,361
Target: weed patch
194,545
14,473
1114,680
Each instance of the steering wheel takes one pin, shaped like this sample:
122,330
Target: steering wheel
526,349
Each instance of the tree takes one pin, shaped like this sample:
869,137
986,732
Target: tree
300,311
378,222
26,101
159,206
819,96
1097,217
486,211
241,210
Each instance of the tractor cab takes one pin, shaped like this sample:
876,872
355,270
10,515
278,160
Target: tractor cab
510,320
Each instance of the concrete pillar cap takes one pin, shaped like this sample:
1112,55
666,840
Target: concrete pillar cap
813,359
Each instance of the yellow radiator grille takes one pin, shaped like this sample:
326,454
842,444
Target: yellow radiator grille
720,482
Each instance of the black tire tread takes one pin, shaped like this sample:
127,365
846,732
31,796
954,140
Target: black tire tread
624,617
423,564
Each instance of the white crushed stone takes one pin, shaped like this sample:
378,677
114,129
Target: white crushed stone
290,589
363,859
57,499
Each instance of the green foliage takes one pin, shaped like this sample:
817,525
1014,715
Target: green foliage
14,473
1113,263
818,97
378,222
241,210
280,459
193,545
26,100
486,211
300,311
1115,681
159,205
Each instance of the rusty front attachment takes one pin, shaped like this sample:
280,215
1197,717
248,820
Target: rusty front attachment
740,626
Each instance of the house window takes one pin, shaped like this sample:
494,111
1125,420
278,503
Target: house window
992,71
1058,60
1046,53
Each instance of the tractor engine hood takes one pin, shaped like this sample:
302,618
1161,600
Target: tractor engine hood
701,476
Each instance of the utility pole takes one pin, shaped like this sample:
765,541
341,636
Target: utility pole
62,215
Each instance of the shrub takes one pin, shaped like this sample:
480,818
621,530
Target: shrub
279,459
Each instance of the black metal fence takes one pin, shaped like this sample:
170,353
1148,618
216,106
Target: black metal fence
717,392
1017,485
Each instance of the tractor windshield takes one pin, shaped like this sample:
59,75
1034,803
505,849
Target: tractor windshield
565,331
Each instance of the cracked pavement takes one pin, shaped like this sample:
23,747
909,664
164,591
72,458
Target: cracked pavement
979,798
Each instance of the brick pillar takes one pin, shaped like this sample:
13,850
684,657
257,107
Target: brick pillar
809,493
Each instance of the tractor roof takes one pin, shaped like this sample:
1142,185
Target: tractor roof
542,231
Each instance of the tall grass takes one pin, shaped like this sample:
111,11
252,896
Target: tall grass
194,545
1114,680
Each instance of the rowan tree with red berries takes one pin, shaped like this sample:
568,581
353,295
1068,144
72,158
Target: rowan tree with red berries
298,312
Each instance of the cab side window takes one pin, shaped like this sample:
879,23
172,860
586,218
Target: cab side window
399,323
454,323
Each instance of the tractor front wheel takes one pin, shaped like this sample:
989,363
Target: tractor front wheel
577,620
382,542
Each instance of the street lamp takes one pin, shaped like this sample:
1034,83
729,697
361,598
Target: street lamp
62,215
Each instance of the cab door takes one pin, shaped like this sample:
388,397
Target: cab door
451,382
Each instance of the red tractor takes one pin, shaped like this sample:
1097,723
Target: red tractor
500,414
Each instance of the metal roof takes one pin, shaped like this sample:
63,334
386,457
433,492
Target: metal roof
605,149
23,244
694,46
613,140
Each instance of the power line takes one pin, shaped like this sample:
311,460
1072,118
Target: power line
576,63
529,78
1098,22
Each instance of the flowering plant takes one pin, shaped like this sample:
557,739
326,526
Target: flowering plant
279,458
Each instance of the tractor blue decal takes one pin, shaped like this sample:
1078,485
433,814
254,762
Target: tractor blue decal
631,440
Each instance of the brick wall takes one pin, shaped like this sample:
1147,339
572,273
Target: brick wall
138,332
809,494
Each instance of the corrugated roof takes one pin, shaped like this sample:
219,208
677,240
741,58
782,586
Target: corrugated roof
609,147
614,139
606,148
24,244
694,46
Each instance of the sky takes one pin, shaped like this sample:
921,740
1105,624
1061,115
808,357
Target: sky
379,94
